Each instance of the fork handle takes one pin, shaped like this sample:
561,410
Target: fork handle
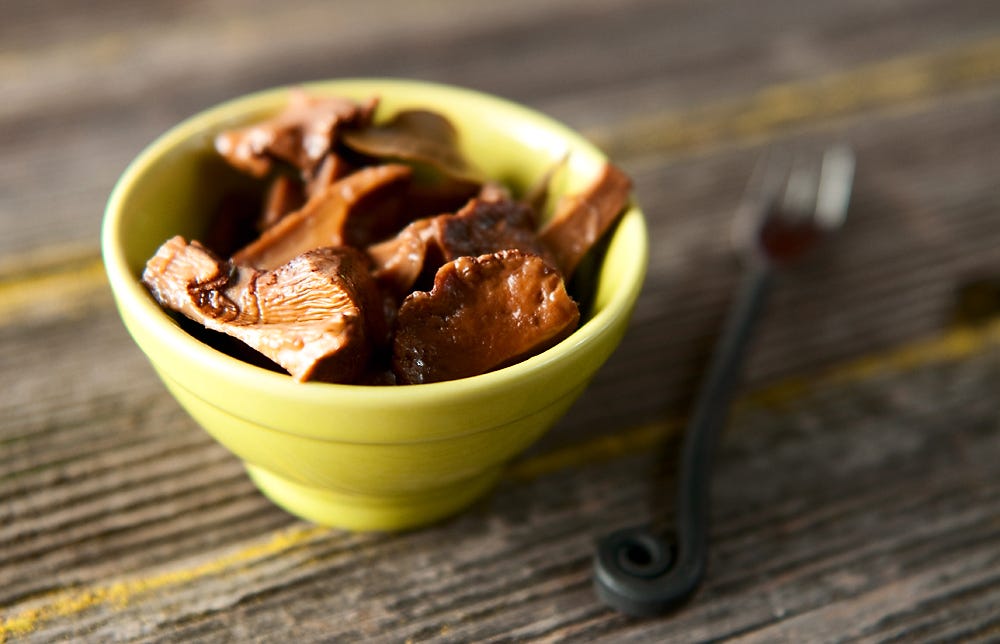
640,572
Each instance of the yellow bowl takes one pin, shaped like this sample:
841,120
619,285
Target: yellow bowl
362,457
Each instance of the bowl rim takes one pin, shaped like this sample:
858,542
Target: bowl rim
129,291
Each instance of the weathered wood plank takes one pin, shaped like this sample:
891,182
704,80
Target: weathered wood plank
860,292
86,88
860,505
874,297
73,432
868,495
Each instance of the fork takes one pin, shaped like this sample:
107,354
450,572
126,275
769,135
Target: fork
789,207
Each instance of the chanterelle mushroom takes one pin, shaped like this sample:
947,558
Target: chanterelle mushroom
356,210
581,219
315,316
301,134
483,226
483,313
284,196
415,135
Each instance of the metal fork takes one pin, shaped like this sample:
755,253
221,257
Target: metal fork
790,206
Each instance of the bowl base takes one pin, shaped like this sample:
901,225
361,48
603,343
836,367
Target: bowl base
361,512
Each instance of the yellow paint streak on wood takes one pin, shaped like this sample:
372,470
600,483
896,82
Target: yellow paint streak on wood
774,108
953,346
68,286
956,344
50,283
118,594
601,448
58,286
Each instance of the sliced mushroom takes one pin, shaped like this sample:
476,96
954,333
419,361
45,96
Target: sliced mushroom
490,288
420,136
429,196
486,227
479,228
357,210
483,313
400,261
581,219
301,134
538,194
284,196
332,168
315,316
233,224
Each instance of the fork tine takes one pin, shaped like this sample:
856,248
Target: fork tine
799,198
772,175
766,180
834,191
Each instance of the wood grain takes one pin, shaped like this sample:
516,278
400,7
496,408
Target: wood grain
869,495
857,494
126,69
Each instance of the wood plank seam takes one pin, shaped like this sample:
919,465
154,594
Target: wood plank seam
774,108
953,346
50,287
53,281
61,286
120,593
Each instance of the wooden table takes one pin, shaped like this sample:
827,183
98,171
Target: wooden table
858,487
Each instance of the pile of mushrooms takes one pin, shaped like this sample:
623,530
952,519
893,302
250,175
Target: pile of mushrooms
379,254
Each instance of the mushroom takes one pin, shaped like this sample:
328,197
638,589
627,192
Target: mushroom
420,136
399,261
316,316
487,226
483,313
332,168
301,134
481,227
581,219
284,196
381,254
356,210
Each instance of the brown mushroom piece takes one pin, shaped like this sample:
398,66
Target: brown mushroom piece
488,226
429,196
481,227
361,208
420,136
332,168
581,219
284,196
444,179
538,193
301,134
316,316
482,314
399,261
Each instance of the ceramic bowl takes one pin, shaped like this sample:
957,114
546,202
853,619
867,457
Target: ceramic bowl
352,456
